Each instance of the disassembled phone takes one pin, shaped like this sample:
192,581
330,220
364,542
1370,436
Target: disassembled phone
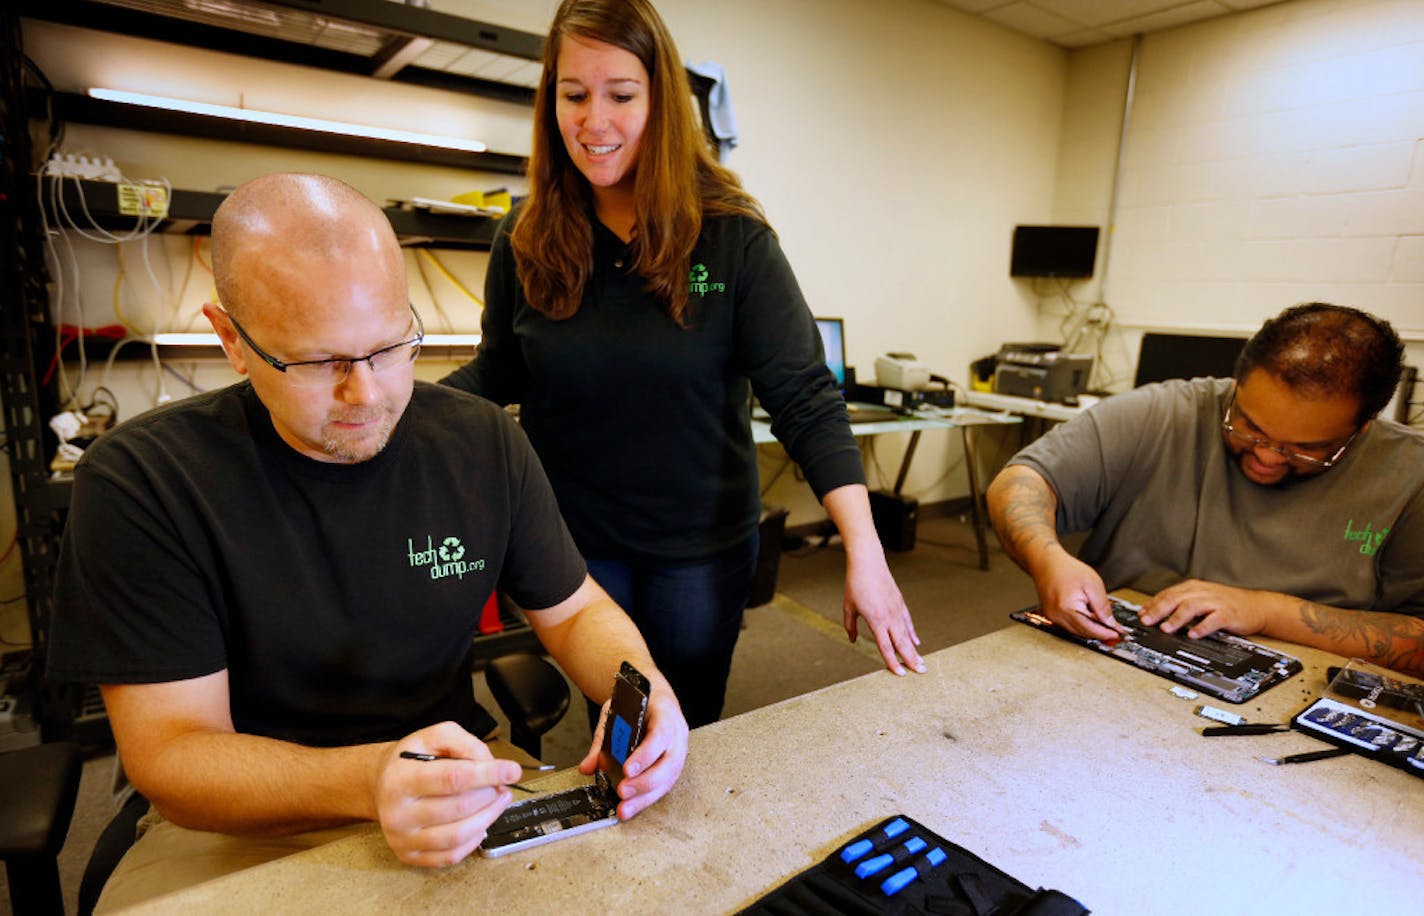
583,808
1223,664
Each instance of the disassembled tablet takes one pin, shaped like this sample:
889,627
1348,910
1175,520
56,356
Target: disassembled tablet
587,807
1227,666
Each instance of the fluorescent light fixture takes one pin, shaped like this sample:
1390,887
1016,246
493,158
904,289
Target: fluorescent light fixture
184,339
451,340
281,120
176,339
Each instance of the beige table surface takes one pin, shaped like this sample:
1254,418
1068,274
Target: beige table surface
1062,767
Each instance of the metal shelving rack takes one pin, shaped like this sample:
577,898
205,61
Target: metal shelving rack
376,38
26,344
191,212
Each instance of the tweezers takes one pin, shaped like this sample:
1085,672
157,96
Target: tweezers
1245,728
1306,758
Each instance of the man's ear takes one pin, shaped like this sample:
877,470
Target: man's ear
227,334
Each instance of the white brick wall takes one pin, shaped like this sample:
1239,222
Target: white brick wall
1273,156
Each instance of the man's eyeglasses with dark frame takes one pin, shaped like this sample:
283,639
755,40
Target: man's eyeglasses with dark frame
321,373
1299,459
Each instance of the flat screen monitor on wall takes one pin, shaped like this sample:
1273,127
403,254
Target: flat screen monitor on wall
833,342
1054,251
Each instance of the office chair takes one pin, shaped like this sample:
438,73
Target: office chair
118,836
38,786
532,694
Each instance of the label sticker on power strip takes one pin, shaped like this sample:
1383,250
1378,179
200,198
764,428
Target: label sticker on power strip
143,200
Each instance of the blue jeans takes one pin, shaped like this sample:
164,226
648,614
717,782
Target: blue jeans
690,615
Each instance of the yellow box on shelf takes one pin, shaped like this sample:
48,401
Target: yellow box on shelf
143,200
497,199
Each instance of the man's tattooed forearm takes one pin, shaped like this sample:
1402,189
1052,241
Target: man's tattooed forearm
1393,640
1025,519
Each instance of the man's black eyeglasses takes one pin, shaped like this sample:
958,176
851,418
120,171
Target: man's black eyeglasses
320,373
1244,433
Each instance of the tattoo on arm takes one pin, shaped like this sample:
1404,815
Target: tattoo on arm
1390,639
1024,520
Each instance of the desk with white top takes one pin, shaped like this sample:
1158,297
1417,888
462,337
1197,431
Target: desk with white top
1064,768
962,418
1028,407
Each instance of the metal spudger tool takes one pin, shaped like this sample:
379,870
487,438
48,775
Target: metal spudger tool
1306,758
416,755
427,758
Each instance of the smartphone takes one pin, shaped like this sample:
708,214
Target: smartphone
589,807
623,728
548,818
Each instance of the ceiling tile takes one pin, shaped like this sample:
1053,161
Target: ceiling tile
1166,19
1104,12
1084,39
974,6
1032,20
1080,23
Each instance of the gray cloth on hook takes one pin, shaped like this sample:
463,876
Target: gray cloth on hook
719,105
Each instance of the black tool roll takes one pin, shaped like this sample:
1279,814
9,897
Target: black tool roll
899,866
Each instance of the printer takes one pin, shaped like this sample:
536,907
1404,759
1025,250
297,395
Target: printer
1041,371
901,371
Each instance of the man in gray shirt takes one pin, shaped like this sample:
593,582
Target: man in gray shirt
1276,502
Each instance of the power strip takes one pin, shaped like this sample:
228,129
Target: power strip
72,165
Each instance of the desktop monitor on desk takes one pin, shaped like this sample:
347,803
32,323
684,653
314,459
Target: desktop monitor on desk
1169,356
833,342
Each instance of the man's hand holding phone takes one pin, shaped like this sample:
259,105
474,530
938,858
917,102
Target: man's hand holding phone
637,754
641,771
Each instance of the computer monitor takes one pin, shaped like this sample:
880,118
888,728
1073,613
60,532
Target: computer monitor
833,341
1168,356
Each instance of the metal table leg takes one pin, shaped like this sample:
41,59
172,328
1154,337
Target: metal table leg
971,464
905,461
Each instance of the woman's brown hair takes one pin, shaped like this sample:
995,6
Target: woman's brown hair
677,180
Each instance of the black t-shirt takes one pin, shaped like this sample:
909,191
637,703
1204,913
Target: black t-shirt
643,425
341,599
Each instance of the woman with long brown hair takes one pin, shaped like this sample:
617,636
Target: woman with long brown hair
634,300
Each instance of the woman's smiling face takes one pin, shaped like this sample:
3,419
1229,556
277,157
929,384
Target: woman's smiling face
602,109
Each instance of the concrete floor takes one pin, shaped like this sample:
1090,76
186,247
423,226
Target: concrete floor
791,646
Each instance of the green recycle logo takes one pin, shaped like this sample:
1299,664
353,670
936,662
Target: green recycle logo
698,274
451,550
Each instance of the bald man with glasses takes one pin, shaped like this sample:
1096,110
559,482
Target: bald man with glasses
1276,502
276,584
